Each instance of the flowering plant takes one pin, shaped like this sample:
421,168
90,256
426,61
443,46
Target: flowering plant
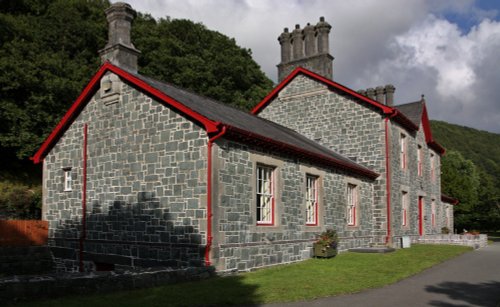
328,239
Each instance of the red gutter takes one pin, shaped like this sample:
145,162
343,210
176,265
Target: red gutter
211,140
388,174
83,234
298,151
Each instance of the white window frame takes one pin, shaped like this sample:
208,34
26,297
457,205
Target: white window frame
352,204
403,150
265,200
68,180
311,200
419,160
404,208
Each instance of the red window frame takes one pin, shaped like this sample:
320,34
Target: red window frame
265,201
419,160
352,204
403,150
311,200
404,208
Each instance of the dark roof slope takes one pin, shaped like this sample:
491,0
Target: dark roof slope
412,110
246,122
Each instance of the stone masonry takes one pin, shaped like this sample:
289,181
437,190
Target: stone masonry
241,245
146,184
357,131
351,129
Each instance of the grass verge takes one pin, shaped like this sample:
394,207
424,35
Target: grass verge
314,278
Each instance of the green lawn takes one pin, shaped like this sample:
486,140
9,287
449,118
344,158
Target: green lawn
346,273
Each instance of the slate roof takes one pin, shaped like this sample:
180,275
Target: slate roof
412,110
252,124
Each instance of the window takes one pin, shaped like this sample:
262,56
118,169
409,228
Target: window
67,179
433,167
311,200
419,160
404,210
433,213
448,217
402,145
352,204
265,195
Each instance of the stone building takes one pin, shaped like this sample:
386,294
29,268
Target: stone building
141,173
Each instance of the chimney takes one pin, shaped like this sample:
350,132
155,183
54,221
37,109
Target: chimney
297,43
119,50
389,94
307,48
370,93
284,40
379,90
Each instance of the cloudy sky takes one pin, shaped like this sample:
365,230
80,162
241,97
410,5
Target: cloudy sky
448,50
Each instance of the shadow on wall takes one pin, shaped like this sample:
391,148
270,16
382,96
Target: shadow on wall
483,294
142,234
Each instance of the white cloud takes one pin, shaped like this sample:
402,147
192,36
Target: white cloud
408,43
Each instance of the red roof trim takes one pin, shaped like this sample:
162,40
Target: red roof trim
449,199
428,133
90,89
301,152
300,70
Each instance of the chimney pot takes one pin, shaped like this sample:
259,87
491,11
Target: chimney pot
389,95
380,94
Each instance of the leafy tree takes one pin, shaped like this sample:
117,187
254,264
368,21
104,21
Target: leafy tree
483,149
49,51
460,178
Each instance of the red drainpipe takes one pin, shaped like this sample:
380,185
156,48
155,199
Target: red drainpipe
388,174
209,193
84,196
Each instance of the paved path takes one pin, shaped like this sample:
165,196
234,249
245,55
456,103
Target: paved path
472,279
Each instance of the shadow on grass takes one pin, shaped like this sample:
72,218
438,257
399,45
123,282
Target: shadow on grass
482,294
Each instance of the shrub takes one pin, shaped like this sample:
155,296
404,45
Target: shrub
445,230
19,201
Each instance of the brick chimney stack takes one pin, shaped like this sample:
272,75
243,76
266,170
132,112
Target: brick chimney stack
308,48
119,50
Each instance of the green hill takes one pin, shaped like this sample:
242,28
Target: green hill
483,149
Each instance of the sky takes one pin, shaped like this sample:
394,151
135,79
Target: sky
447,50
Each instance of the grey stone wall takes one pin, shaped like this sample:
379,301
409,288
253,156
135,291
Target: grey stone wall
357,131
239,244
408,180
146,184
335,121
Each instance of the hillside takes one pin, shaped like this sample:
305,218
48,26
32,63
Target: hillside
471,172
481,147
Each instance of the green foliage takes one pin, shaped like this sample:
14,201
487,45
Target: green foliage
347,273
18,201
479,204
49,51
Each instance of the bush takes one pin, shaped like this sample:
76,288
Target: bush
19,201
445,230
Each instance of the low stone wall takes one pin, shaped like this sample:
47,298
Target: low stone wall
25,260
474,241
17,288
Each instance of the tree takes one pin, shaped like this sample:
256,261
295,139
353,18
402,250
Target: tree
460,179
49,51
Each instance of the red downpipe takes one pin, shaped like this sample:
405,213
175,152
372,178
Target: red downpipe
84,196
209,194
388,175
